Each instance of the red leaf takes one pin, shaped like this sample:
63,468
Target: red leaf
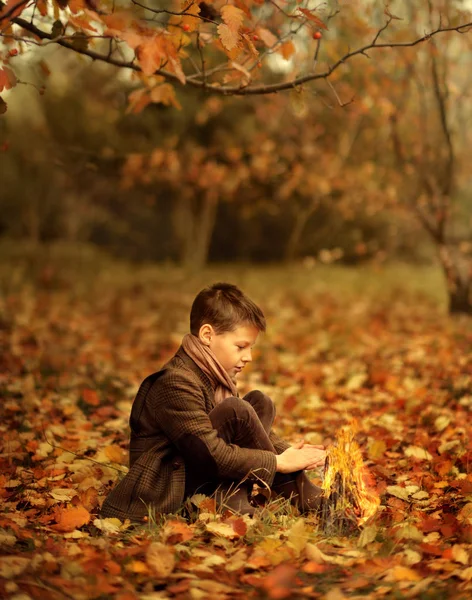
239,526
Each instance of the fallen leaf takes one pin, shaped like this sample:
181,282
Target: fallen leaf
160,559
68,519
368,535
417,452
11,566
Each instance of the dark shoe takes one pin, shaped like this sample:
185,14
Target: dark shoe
298,488
235,497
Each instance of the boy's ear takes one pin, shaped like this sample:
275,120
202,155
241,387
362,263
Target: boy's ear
205,334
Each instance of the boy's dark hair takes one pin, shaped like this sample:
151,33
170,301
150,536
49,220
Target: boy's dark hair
224,307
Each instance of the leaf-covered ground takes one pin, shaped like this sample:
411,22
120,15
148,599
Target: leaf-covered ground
340,344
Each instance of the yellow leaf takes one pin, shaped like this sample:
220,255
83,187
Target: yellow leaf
298,536
160,559
398,492
376,448
460,554
11,566
108,525
7,539
412,557
314,553
237,561
116,454
409,532
466,574
399,573
223,529
465,514
441,422
229,38
63,494
233,17
367,536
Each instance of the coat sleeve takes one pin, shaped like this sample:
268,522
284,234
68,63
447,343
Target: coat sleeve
279,444
179,410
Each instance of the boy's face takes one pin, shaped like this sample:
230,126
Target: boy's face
233,348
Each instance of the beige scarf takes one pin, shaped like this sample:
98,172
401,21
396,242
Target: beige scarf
205,359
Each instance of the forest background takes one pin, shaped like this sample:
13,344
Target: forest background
370,163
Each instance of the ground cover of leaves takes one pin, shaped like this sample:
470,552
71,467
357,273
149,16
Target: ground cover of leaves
337,348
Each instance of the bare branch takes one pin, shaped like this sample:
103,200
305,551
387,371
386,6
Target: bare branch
382,29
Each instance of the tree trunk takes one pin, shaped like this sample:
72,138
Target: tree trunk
459,285
194,223
301,219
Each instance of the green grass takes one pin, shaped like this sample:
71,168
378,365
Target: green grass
87,270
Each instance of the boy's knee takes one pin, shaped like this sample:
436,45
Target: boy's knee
256,397
235,407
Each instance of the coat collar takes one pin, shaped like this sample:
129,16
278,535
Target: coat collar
196,369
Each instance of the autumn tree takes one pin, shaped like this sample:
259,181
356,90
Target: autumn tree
217,46
428,131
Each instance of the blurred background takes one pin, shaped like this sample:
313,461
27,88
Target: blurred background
288,179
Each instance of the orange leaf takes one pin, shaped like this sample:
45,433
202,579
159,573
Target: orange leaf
68,519
191,22
13,8
75,6
90,397
151,54
89,498
115,454
81,22
176,532
165,94
269,39
309,15
287,49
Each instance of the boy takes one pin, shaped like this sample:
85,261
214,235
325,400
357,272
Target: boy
190,432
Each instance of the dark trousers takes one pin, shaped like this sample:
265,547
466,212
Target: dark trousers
245,422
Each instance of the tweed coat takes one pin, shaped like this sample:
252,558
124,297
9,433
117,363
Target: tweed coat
171,431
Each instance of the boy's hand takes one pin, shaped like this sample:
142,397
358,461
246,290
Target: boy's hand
301,456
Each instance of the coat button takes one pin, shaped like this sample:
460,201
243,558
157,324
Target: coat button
176,464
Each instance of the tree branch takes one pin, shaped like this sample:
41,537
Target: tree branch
236,90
